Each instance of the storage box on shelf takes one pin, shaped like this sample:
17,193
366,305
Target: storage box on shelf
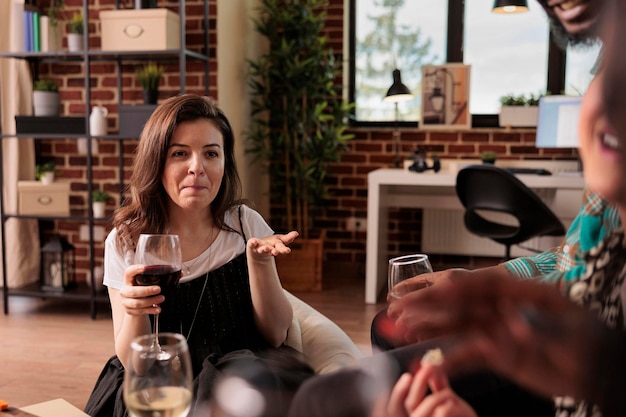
133,118
37,199
140,30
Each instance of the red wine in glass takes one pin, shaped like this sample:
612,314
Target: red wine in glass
165,276
162,259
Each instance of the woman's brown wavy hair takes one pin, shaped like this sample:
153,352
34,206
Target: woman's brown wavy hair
145,208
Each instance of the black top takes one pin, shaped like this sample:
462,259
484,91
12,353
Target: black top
225,319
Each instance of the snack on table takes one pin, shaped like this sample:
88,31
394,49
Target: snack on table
433,357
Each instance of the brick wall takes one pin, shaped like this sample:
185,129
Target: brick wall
372,148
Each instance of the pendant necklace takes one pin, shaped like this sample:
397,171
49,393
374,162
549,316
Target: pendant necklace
195,314
187,266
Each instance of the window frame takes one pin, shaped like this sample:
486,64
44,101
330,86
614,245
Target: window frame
557,59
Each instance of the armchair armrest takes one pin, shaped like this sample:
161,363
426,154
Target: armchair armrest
325,346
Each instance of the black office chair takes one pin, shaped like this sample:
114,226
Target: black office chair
492,189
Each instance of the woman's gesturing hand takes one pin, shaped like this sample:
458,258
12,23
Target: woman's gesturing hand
273,245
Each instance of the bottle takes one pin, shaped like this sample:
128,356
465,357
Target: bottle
98,121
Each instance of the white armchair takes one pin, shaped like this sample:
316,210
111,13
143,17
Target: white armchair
325,346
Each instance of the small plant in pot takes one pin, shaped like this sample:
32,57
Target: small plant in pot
45,98
99,199
45,172
75,31
149,77
519,110
488,157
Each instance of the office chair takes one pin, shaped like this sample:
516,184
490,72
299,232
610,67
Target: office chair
492,189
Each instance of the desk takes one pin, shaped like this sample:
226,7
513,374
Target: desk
401,188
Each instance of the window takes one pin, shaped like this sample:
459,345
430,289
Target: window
405,36
508,54
578,69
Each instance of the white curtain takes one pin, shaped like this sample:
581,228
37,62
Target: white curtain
21,236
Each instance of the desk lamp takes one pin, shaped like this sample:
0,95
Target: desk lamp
397,92
510,6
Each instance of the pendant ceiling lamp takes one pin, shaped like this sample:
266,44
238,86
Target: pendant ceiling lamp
510,6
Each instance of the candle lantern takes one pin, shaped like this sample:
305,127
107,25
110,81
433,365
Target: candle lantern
57,262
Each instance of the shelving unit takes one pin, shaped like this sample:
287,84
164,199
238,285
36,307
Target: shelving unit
87,57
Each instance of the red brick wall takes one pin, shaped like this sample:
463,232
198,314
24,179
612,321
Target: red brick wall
371,148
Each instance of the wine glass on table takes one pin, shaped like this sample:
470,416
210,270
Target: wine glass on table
163,262
158,383
405,267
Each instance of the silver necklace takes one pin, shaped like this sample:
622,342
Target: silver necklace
190,265
195,314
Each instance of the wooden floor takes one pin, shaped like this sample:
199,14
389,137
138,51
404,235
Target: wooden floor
53,349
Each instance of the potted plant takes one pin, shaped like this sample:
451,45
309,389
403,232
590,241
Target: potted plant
98,202
298,126
149,77
519,110
99,199
488,157
75,31
45,172
45,98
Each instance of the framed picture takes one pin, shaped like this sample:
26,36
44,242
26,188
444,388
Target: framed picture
445,96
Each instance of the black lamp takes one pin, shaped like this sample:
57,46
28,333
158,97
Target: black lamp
510,6
397,92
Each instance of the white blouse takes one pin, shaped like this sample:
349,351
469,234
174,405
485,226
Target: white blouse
227,246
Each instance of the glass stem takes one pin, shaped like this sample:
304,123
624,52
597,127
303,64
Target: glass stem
156,331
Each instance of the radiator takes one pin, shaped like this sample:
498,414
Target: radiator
443,232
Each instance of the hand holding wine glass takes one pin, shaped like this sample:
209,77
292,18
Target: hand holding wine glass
162,258
158,383
404,267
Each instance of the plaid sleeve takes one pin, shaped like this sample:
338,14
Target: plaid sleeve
533,266
594,220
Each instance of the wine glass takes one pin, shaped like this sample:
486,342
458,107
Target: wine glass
158,383
404,267
163,260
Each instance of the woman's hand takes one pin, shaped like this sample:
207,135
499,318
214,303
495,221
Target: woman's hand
137,299
409,396
272,310
273,245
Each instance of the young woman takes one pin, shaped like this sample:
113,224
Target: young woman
229,299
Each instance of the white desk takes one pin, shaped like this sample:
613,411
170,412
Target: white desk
401,188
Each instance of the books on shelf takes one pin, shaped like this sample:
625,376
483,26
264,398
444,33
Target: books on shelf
38,33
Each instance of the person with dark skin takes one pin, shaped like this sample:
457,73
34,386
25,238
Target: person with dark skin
573,23
526,330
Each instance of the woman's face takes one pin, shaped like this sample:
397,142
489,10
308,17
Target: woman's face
194,166
602,152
